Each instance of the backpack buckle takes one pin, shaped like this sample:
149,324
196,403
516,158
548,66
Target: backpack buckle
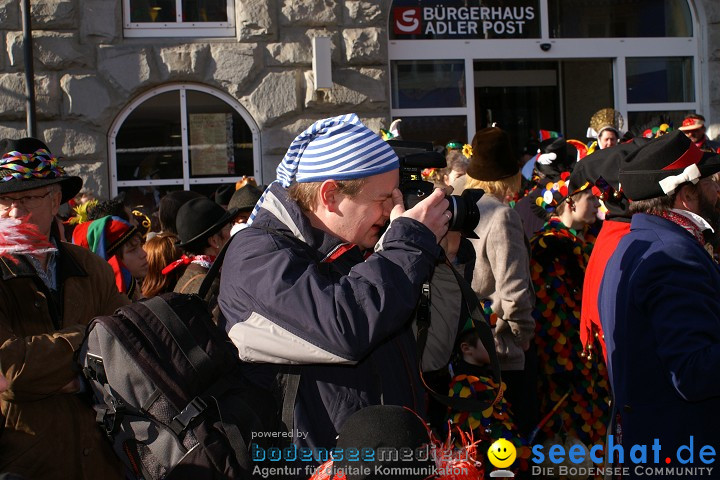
196,406
110,416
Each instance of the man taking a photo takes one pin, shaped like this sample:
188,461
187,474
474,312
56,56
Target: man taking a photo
302,286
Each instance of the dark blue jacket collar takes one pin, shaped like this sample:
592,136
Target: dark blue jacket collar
278,207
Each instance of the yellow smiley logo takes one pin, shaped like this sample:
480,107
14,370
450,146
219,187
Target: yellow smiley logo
502,453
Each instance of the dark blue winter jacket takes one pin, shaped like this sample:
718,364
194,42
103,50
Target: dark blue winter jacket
345,323
660,308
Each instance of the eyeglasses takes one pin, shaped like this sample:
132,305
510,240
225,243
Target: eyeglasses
29,201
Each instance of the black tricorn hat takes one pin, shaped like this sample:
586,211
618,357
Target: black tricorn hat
35,168
669,158
604,165
564,161
199,219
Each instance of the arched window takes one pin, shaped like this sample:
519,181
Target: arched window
181,137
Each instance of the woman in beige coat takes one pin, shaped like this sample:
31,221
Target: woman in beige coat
501,276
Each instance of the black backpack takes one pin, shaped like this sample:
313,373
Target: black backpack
169,390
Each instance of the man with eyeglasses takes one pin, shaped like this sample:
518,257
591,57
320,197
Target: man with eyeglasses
46,301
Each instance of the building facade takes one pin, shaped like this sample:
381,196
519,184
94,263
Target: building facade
147,96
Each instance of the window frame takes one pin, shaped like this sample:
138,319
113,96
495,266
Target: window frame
179,28
187,181
617,49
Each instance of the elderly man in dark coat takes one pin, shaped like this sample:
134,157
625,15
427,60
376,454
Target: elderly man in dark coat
660,310
46,301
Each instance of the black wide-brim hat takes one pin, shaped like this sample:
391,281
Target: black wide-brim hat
36,169
199,219
668,155
224,193
245,198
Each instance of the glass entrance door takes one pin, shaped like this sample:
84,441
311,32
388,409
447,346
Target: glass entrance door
521,97
524,97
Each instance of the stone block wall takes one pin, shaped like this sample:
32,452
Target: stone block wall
87,72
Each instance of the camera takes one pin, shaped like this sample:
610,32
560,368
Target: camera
414,158
545,46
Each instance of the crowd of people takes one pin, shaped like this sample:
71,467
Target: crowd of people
594,267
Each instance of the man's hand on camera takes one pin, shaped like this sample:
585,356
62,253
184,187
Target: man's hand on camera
431,212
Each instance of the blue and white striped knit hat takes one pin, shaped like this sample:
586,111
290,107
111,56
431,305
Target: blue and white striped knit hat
338,148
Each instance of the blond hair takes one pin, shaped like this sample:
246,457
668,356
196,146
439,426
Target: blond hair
505,187
305,194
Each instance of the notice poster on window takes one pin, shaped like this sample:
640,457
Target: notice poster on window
211,146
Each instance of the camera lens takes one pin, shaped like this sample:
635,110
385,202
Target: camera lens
465,212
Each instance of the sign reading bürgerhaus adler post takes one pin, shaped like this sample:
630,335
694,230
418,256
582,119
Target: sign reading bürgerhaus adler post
468,19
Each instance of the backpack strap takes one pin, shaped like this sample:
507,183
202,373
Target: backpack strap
214,271
291,380
193,278
199,360
472,306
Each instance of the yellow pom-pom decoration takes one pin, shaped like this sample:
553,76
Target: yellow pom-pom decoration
81,212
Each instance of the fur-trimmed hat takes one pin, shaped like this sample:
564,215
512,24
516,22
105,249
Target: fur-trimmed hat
664,164
27,164
493,157
199,219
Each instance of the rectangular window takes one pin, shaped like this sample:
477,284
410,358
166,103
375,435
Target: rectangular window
522,97
660,80
219,141
179,18
619,18
438,129
428,83
646,124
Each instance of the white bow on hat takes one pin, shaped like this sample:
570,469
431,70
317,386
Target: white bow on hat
546,158
690,174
